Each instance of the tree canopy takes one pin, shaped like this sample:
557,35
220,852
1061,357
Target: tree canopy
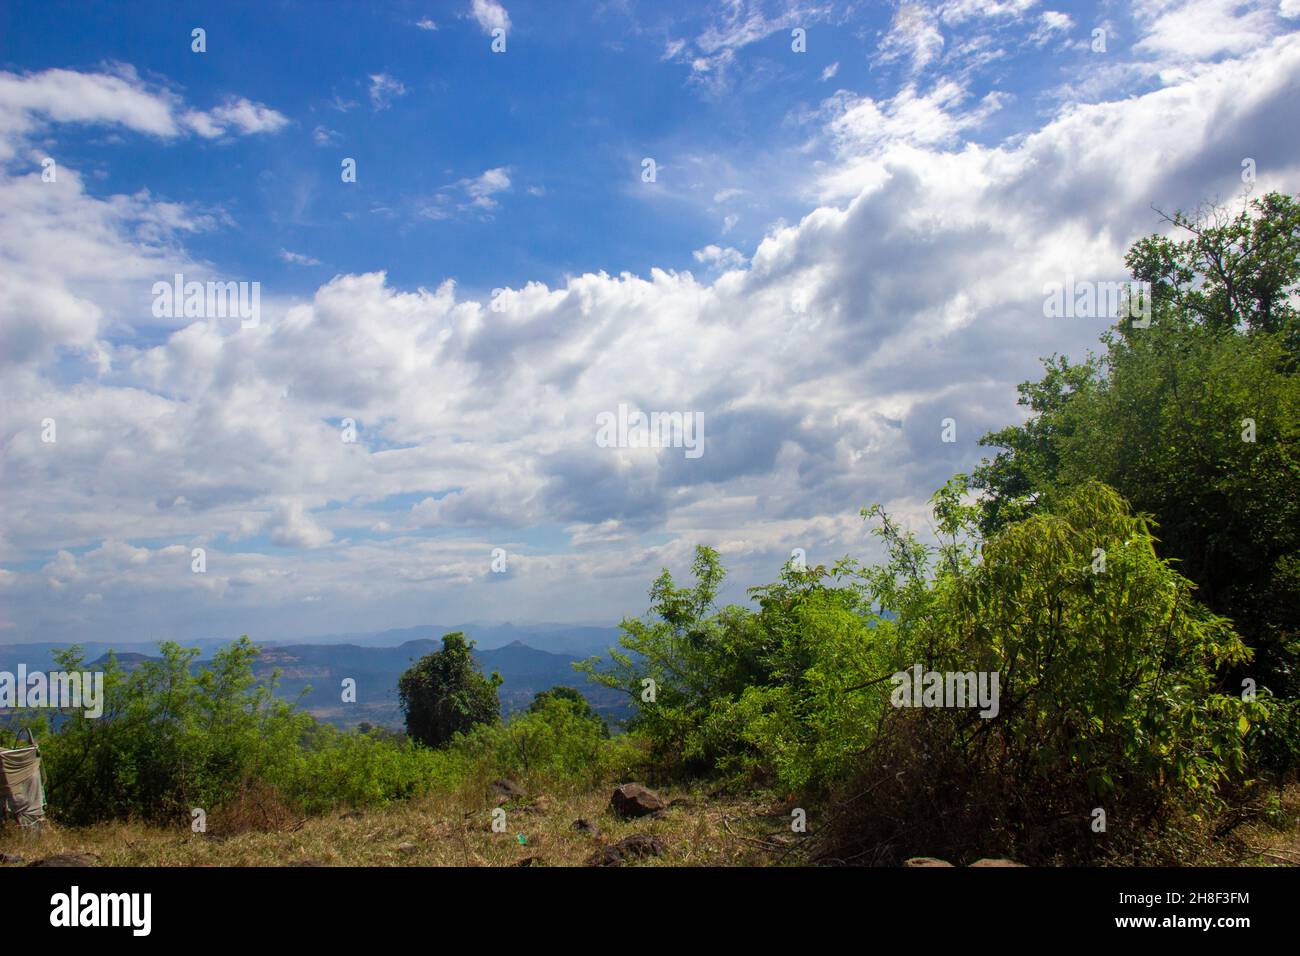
444,694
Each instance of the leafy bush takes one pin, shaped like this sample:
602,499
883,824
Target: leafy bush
176,735
722,688
557,741
1107,677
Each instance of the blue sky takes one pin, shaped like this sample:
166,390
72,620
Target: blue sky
842,248
567,113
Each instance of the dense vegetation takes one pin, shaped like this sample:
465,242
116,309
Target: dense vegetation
1127,564
176,735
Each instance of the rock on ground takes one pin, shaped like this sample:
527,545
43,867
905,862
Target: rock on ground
633,800
634,847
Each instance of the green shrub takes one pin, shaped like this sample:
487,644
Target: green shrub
558,740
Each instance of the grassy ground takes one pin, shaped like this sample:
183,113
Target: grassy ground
449,831
456,830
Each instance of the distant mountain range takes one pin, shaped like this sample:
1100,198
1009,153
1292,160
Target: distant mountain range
316,672
583,640
313,673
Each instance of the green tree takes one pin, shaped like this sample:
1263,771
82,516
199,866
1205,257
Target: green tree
579,704
1194,420
444,694
741,692
1229,272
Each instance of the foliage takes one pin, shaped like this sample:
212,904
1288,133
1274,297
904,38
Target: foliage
1107,676
443,693
557,739
574,696
1194,420
1230,271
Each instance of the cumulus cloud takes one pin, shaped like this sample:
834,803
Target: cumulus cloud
116,98
717,257
238,115
1197,30
823,361
1051,25
289,527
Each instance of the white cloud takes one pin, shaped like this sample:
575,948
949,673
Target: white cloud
490,15
934,119
297,259
713,54
913,36
490,182
471,195
719,258
241,115
1051,24
118,98
384,89
823,368
289,527
955,12
324,136
1182,31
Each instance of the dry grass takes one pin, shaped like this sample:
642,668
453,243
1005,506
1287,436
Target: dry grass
446,831
1271,839
455,830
